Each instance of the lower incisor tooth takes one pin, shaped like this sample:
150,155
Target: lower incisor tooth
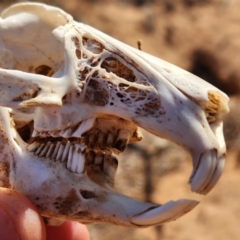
164,213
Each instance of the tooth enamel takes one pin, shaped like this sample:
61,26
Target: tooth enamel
164,213
204,171
44,150
60,152
110,139
65,152
56,150
43,134
90,157
50,150
122,139
55,133
33,147
80,163
66,133
69,160
101,139
98,158
35,133
110,165
216,175
92,139
83,127
39,149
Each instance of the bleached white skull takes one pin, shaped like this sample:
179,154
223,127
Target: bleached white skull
72,98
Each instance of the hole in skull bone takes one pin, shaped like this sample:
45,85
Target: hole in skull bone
44,70
96,94
87,194
27,94
113,65
92,45
78,53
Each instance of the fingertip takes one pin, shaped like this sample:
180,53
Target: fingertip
17,212
67,231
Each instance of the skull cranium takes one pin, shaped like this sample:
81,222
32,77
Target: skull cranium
72,98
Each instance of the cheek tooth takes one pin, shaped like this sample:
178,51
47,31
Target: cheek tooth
55,134
98,159
33,147
66,133
39,149
43,134
90,157
60,152
50,150
70,162
65,153
44,150
122,139
35,133
110,165
101,140
92,138
110,140
55,152
80,163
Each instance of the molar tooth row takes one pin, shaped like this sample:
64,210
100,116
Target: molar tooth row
105,160
109,140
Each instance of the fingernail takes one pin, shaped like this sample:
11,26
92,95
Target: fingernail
7,228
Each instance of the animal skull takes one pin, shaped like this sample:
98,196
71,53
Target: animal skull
72,98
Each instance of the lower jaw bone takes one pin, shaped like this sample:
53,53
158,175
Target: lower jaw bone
85,201
95,170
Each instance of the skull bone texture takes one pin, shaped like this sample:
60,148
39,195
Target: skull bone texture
72,98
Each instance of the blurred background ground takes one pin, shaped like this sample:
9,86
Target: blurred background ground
203,37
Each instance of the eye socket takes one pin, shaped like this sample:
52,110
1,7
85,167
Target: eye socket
44,70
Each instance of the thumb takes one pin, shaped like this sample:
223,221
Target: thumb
19,218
